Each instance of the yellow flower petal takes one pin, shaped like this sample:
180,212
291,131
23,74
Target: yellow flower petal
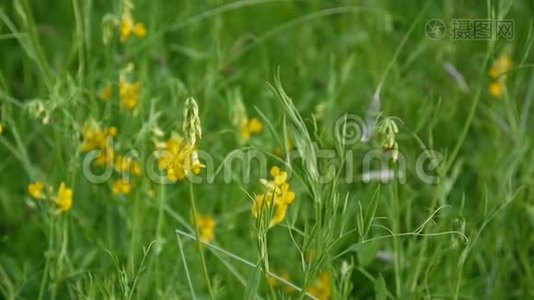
36,189
494,72
121,187
257,205
129,94
280,178
275,171
139,30
126,27
321,288
279,215
505,62
496,89
255,126
64,198
206,227
250,127
112,131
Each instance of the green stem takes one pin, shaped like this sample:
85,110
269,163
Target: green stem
40,57
199,244
47,263
79,41
159,225
395,219
135,231
186,268
450,161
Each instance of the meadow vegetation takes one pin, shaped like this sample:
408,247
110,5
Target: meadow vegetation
265,149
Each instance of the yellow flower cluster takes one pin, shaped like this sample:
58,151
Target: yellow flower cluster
179,159
63,198
250,127
36,189
278,194
121,186
321,288
206,227
128,26
96,138
498,75
129,90
125,166
129,93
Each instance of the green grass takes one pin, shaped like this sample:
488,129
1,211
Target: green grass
305,69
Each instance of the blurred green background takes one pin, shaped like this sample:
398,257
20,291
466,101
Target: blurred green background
332,56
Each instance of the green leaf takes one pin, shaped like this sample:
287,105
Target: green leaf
381,290
371,211
253,284
367,252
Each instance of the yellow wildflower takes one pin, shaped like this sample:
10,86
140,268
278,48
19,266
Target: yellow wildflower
64,198
279,214
127,165
278,194
1,129
250,127
502,65
206,227
321,288
95,138
279,176
121,186
498,75
179,160
495,89
139,30
106,93
128,26
129,94
105,158
36,189
196,165
112,131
